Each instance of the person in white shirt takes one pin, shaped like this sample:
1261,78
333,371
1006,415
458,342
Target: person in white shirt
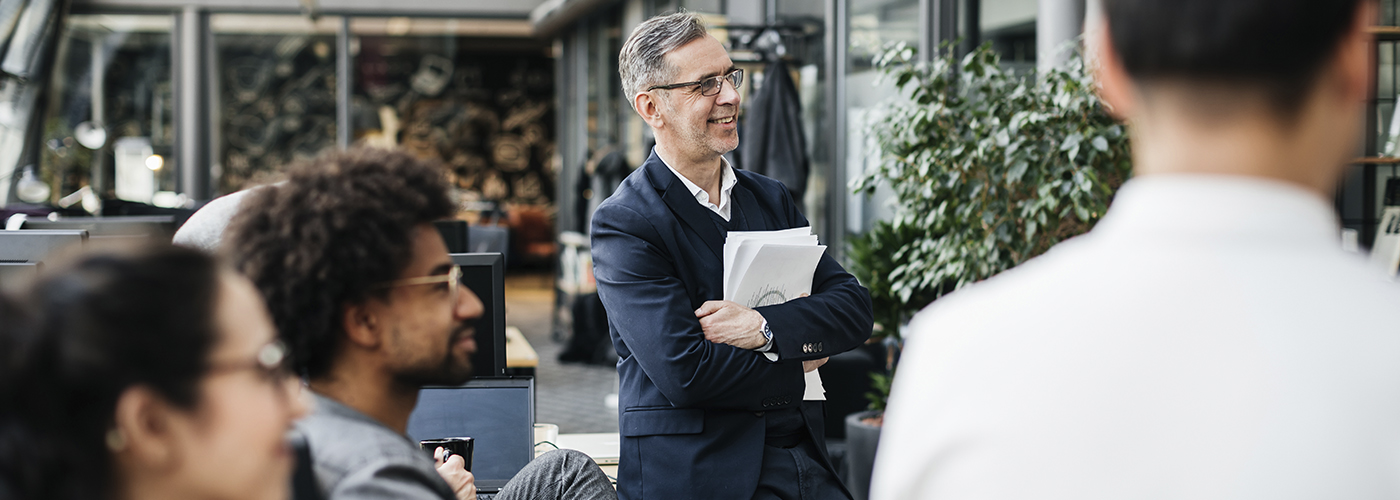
1209,339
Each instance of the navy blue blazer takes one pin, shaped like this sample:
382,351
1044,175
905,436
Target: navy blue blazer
690,411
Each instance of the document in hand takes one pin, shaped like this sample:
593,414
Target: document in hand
763,268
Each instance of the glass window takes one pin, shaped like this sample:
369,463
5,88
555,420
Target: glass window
274,94
440,89
873,24
703,6
1010,26
108,121
805,45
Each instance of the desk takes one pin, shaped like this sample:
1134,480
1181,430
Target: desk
603,447
521,359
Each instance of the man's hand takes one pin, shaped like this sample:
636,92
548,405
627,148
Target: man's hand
454,471
813,364
725,322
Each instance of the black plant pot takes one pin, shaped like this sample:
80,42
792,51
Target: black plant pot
861,441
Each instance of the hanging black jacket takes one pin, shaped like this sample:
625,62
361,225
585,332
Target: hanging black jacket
773,144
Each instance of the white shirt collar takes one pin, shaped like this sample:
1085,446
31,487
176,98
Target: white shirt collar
727,180
1219,207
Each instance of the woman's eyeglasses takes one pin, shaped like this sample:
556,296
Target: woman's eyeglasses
270,363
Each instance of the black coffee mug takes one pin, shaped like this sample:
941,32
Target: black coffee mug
451,446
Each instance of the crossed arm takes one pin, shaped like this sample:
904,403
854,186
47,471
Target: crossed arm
702,358
728,322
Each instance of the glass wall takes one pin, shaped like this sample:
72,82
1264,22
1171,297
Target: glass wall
1010,26
872,25
273,96
1361,197
109,115
483,107
804,41
704,6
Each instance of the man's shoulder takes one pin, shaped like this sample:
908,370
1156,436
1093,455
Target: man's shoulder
205,228
636,198
341,445
756,178
636,184
763,185
1049,278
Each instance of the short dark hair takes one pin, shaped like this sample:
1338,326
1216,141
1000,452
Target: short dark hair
338,226
76,341
1276,46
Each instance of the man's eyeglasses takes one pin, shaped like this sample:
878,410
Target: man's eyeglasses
453,278
709,86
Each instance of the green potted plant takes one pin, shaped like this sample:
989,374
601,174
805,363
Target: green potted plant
988,168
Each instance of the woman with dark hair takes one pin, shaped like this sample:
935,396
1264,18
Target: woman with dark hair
153,374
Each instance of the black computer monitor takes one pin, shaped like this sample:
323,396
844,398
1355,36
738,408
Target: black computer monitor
454,234
485,275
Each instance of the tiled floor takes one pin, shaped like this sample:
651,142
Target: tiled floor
574,396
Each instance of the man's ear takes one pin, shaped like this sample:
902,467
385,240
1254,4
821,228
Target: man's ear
1353,59
1116,88
650,110
143,431
362,324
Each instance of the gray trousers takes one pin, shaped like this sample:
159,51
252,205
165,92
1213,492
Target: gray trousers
559,475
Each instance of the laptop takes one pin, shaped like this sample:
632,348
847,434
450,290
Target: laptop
498,413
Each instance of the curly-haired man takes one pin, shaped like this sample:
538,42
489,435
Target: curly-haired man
358,283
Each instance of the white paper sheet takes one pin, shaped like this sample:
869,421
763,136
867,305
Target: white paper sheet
778,273
772,270
748,250
737,238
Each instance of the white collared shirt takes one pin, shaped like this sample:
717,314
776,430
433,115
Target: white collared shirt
727,180
1208,339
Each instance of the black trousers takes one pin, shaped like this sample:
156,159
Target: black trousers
781,465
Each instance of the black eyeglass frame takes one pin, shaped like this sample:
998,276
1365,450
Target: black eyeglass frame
735,78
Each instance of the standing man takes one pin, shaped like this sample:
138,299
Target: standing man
711,391
1209,338
361,287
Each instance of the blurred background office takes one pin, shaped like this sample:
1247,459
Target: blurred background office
151,108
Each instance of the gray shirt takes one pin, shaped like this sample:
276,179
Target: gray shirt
355,456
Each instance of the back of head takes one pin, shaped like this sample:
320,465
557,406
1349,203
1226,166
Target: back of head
82,335
1278,47
339,225
642,61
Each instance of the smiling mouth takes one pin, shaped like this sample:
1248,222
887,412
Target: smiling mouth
723,121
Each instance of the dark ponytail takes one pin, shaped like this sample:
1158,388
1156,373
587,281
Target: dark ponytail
80,337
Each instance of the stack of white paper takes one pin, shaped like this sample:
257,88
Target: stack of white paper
763,268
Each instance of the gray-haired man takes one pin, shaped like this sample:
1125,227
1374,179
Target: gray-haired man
711,397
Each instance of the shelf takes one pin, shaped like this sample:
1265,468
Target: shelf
1372,160
1384,32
